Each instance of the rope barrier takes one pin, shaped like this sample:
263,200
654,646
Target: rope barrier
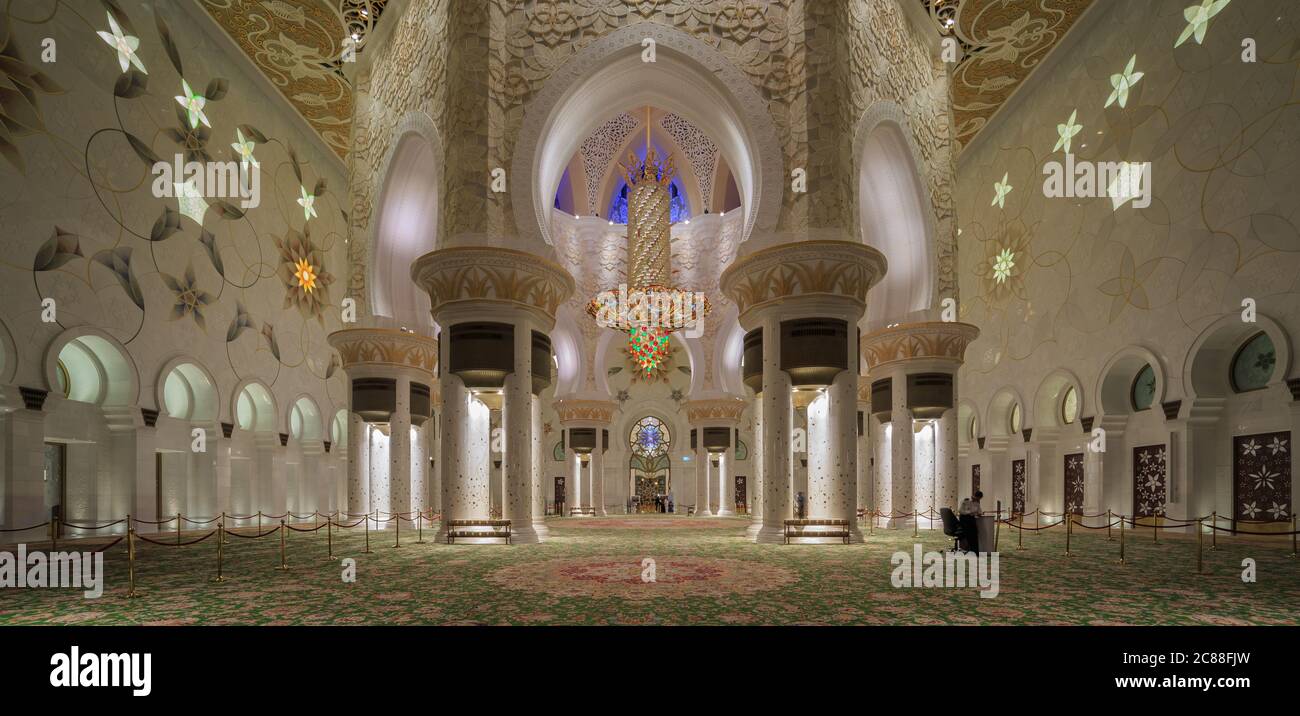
271,531
94,527
176,544
24,529
201,522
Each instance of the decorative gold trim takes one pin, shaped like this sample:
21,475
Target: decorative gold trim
730,409
375,347
912,341
476,273
572,410
805,268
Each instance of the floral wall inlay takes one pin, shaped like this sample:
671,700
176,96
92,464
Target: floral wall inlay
1261,478
1150,481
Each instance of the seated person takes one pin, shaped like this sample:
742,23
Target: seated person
970,509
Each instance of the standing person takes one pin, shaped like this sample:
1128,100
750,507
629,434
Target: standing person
798,505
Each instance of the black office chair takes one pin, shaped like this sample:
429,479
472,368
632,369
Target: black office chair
951,526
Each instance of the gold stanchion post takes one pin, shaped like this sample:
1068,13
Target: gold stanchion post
1121,539
397,533
1200,545
223,534
1108,523
178,528
54,534
419,527
1155,529
130,560
221,549
283,564
329,538
1020,535
367,549
997,529
1214,531
916,523
1069,525
259,523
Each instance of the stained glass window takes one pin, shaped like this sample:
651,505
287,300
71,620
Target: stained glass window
1144,388
649,437
1252,367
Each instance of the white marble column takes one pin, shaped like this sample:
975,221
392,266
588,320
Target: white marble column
496,475
702,473
820,447
358,465
842,428
777,416
477,460
863,449
883,474
419,469
573,485
517,421
726,483
756,460
537,470
452,454
598,476
399,450
924,467
900,459
946,461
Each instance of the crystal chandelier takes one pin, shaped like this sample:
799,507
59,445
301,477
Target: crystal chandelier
648,307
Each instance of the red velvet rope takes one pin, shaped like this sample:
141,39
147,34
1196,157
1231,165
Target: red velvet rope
176,544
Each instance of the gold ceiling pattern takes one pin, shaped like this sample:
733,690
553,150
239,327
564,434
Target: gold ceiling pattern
1001,42
300,46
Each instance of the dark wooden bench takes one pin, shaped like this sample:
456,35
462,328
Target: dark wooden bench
837,528
494,529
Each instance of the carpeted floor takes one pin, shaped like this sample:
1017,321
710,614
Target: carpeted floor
590,572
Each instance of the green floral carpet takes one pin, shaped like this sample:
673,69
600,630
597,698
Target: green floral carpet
590,572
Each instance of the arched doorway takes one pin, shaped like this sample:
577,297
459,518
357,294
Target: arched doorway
649,467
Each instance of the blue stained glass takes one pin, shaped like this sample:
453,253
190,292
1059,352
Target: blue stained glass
649,437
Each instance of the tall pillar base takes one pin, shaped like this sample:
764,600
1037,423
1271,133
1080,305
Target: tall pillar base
770,534
524,535
724,512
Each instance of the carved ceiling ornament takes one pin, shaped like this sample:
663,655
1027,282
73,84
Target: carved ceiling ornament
572,410
598,151
806,268
299,47
700,151
926,340
474,273
385,347
715,409
1001,43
